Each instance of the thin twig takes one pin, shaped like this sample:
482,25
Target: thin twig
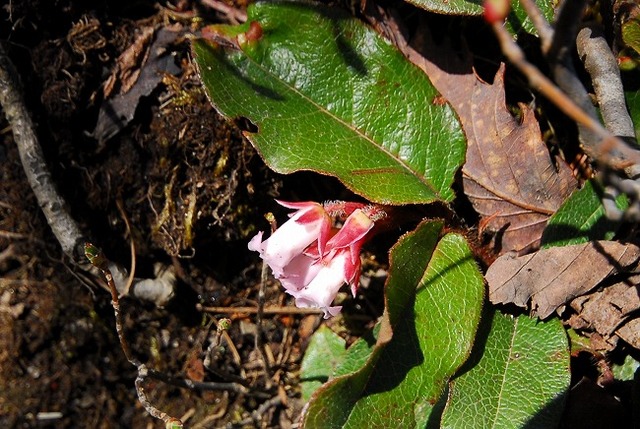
257,415
610,149
258,338
51,202
221,332
254,310
12,235
206,385
234,15
205,423
545,32
97,259
170,422
132,247
7,252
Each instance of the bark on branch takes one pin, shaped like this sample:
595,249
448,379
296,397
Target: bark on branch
50,201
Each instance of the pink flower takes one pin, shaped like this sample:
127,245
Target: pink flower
310,223
314,279
323,288
311,266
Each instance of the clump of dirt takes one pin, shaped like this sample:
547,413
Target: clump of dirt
189,188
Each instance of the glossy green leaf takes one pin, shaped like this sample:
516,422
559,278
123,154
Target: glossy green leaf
516,21
631,34
581,218
626,370
517,378
451,7
434,297
325,352
358,353
328,94
632,96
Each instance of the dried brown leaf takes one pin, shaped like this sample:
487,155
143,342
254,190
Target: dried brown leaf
630,332
129,63
509,176
552,277
136,80
607,309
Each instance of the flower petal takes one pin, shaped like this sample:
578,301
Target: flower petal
322,290
293,237
299,272
357,225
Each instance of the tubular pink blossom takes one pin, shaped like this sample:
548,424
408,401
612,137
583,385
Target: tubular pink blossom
322,290
300,272
357,225
314,282
311,266
310,223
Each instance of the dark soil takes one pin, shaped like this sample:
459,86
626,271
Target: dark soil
178,184
193,192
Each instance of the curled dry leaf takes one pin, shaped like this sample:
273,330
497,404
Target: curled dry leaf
630,332
139,70
605,310
509,175
552,277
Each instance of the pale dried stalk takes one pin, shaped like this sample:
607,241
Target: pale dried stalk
50,201
545,31
602,66
611,150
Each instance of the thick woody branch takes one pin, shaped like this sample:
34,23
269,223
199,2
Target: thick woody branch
560,58
606,148
51,202
602,66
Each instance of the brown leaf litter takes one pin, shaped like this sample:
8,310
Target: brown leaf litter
138,71
509,176
596,280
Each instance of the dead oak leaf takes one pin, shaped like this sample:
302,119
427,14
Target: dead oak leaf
553,277
606,309
139,71
509,175
611,312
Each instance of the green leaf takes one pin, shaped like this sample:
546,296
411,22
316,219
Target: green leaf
581,218
451,7
632,96
434,297
328,94
578,343
325,352
631,34
518,378
626,371
358,353
516,21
